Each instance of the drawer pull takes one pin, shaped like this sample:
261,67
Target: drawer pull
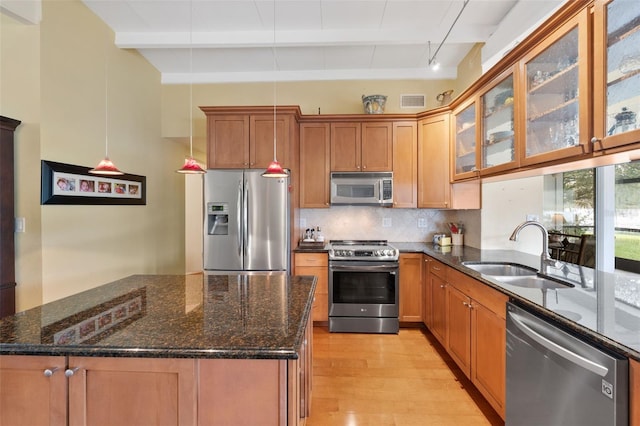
49,371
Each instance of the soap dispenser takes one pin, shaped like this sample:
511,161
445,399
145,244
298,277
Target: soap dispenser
319,235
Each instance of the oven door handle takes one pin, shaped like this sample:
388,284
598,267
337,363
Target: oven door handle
392,269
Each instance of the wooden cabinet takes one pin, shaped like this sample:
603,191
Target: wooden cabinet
499,146
242,138
426,291
405,164
616,74
316,264
315,140
364,146
634,392
464,147
97,391
109,391
7,244
468,319
434,187
433,162
438,290
410,287
555,122
33,391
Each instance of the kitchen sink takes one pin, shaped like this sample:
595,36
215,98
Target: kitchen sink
501,269
532,281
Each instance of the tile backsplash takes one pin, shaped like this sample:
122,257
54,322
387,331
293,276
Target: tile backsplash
361,223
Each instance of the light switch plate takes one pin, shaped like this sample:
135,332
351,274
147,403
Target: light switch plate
386,222
303,222
422,222
19,224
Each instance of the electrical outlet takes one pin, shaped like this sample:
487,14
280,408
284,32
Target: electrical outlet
303,222
422,222
386,222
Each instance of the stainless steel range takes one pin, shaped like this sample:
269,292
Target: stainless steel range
363,286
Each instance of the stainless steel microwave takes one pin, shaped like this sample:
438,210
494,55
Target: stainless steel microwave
362,188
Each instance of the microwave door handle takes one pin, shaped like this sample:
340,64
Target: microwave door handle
557,349
380,191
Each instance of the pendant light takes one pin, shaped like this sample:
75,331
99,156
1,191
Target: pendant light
191,166
274,170
106,166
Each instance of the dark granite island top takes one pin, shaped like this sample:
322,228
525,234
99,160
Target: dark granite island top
170,316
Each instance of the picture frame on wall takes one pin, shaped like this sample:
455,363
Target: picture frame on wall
70,184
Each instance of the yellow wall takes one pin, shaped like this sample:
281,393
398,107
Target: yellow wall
56,85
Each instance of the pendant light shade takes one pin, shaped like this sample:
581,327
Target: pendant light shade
106,167
274,170
191,166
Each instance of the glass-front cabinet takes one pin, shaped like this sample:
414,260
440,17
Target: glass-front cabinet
465,135
498,145
616,73
556,90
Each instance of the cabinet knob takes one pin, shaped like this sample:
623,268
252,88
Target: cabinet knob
595,140
71,371
49,371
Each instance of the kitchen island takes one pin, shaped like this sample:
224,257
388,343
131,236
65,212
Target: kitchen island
147,349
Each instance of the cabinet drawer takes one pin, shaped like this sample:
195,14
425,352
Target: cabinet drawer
461,281
489,298
311,259
439,269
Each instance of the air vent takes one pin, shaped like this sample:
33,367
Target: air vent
412,101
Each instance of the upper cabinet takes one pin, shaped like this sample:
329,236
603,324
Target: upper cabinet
238,139
498,151
315,139
365,147
405,164
465,134
555,122
616,73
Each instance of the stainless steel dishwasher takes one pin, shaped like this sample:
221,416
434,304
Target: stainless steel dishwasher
554,378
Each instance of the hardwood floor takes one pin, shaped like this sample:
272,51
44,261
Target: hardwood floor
391,380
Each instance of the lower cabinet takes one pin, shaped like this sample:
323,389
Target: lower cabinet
33,390
468,319
634,392
37,390
316,264
410,287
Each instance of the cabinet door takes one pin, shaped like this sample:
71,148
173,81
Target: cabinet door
499,147
228,142
634,392
410,287
377,147
119,391
557,96
488,346
33,391
316,264
405,164
314,165
464,149
261,140
433,162
346,145
459,328
616,73
439,308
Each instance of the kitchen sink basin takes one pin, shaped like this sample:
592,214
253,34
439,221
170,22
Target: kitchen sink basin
501,269
532,281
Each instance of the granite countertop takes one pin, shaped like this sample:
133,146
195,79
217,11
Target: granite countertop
260,316
603,307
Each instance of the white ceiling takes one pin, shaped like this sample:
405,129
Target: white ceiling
233,40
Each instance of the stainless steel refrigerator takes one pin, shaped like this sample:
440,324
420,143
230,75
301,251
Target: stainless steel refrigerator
246,222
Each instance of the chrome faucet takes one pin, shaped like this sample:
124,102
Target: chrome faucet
545,259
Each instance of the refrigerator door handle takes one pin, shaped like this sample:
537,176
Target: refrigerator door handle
240,220
245,216
559,350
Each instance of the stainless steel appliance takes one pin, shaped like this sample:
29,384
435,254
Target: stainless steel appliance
362,188
554,378
363,287
246,222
